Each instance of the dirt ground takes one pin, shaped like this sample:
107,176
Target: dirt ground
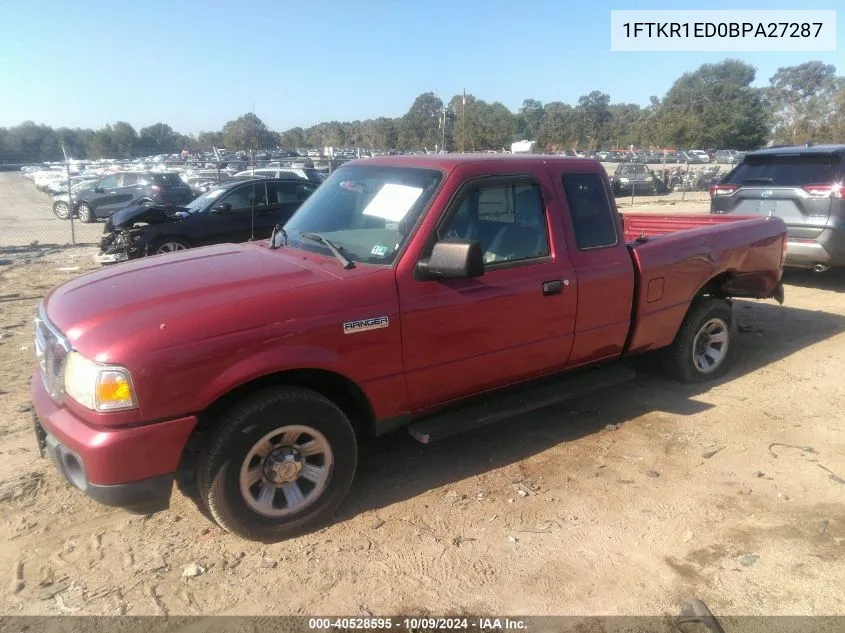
627,503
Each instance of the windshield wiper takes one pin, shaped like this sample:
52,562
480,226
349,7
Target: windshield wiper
748,180
334,248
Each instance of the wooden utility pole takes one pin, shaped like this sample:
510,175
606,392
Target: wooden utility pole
463,119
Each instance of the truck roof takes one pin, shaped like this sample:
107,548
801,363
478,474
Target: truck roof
449,162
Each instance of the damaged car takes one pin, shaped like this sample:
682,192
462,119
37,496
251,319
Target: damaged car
234,211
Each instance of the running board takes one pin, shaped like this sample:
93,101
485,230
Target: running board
518,401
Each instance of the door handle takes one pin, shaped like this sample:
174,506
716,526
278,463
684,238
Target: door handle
553,287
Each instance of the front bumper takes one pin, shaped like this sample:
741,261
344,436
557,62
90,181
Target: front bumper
110,258
132,468
628,187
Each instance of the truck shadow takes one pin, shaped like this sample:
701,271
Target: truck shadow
833,279
395,467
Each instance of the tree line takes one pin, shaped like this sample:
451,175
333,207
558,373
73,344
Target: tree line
713,106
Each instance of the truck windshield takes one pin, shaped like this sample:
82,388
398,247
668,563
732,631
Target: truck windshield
367,210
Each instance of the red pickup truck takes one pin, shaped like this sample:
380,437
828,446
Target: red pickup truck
437,293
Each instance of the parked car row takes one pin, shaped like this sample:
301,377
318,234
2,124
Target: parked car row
153,211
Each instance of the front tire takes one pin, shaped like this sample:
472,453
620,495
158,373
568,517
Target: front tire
169,245
706,343
280,463
85,213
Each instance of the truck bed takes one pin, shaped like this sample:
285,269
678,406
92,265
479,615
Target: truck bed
654,224
676,256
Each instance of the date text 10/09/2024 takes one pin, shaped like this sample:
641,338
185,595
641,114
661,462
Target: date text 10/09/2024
418,624
723,29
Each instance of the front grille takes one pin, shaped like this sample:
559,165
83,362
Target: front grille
51,349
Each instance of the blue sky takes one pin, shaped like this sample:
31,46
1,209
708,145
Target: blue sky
197,64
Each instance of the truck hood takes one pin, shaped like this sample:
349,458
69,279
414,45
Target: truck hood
189,295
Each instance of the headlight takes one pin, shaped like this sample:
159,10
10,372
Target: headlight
98,387
623,180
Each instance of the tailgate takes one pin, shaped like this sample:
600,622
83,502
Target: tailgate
793,187
793,205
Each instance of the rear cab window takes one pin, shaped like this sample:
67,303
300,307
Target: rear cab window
592,218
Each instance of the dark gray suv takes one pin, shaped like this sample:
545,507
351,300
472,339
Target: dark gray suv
119,190
804,186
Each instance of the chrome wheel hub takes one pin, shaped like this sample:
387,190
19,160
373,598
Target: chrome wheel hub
286,470
170,247
710,345
282,465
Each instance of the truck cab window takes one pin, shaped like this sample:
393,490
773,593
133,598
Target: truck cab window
589,208
509,221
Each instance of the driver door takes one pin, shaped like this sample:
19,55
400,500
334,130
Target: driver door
461,337
236,223
102,198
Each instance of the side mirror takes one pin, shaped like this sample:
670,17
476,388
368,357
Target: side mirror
457,259
221,208
98,190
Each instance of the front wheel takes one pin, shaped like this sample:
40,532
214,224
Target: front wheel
705,346
279,463
169,245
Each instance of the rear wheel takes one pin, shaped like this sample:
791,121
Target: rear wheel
705,346
280,463
85,213
62,210
169,245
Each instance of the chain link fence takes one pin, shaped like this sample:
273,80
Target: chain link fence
35,210
64,203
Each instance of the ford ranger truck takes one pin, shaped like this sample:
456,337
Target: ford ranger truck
433,293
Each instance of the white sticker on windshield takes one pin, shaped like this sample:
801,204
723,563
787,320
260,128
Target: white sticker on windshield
393,202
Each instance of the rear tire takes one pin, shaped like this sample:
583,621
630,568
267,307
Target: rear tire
85,213
61,210
279,463
706,343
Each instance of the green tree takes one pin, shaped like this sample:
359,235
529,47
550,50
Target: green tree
419,128
625,127
715,106
558,130
802,99
206,141
836,127
529,118
294,137
160,138
592,118
248,132
387,133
